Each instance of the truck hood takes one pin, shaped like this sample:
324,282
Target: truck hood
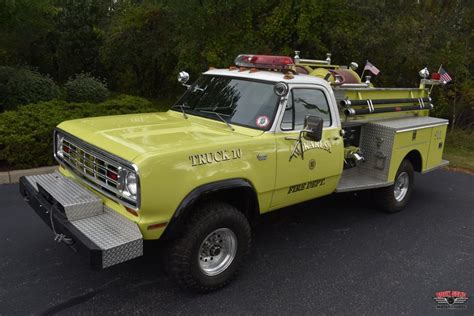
129,136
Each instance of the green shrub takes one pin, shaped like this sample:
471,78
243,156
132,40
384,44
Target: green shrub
26,134
85,88
5,74
25,86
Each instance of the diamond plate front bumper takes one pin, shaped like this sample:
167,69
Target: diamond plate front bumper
92,229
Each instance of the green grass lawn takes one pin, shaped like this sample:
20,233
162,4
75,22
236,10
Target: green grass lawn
459,149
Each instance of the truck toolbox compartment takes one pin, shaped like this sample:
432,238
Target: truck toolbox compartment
385,143
79,217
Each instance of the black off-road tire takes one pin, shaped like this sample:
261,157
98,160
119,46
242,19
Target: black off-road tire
184,256
385,197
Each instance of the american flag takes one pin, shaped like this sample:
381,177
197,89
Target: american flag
371,68
444,76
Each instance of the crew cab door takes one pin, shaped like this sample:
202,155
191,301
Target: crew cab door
308,169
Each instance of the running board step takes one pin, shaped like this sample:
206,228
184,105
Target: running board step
354,180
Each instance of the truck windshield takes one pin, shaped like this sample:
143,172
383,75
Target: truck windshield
238,101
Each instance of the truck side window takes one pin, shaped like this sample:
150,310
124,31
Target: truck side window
304,102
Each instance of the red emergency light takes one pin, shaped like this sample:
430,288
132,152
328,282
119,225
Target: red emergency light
264,61
112,175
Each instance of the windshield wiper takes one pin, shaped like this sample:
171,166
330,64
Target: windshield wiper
214,109
182,106
198,88
220,117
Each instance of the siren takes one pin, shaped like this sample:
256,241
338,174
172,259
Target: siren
264,61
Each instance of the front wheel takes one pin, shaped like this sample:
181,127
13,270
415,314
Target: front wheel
212,248
394,198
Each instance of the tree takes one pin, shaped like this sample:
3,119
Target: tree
138,52
79,36
24,27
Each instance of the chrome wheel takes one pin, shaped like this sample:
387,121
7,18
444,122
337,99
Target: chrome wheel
217,251
401,186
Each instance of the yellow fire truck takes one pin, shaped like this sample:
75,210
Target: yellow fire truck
269,132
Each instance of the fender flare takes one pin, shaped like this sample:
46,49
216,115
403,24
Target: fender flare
185,207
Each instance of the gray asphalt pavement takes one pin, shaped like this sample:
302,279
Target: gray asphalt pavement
329,256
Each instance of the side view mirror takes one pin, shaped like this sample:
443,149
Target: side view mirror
183,77
313,128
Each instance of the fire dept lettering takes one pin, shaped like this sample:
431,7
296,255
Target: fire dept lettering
215,157
306,185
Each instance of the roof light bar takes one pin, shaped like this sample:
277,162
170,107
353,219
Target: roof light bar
264,61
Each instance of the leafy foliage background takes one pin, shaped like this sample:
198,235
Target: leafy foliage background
139,46
85,88
23,86
25,134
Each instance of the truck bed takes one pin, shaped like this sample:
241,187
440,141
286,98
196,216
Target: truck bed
385,143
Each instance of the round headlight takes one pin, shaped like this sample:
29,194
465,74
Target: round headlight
131,183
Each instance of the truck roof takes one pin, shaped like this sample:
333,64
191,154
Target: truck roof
273,76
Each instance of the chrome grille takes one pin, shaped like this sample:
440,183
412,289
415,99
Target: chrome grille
86,163
101,170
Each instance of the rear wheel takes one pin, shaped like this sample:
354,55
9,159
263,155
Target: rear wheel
212,248
394,198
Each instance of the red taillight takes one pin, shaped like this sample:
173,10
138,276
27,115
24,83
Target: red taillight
435,76
112,175
264,61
